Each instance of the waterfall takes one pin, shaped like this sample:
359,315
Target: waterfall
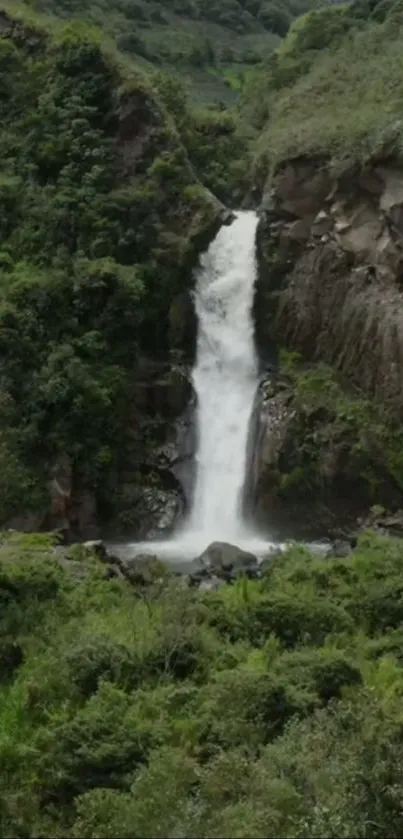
225,380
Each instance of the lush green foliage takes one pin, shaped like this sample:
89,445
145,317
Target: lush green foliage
214,42
312,98
330,417
101,216
215,140
268,708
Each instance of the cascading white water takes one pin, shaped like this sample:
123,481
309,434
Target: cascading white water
225,381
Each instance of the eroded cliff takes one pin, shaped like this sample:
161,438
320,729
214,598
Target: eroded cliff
330,248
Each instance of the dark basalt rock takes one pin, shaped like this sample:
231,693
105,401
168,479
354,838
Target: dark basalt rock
226,561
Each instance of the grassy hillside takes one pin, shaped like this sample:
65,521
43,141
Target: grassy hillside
210,44
267,708
311,97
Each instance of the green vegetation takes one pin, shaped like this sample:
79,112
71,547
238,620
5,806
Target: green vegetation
311,98
192,37
267,708
101,219
337,433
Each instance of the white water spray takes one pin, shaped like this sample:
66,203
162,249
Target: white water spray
225,378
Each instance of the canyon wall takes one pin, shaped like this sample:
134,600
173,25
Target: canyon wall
330,250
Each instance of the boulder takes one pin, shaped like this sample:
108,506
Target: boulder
382,522
339,549
301,187
98,548
394,524
212,583
227,561
164,508
147,511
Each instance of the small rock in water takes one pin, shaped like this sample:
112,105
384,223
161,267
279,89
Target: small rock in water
98,548
226,561
212,583
339,549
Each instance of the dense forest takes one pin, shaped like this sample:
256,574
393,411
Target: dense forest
102,216
141,705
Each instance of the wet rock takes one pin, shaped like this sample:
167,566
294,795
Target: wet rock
304,482
163,508
382,521
227,216
339,549
226,561
394,524
161,389
322,223
183,323
98,548
212,583
61,495
147,512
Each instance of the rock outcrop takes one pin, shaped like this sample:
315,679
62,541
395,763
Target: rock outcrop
321,456
156,478
330,246
222,558
330,250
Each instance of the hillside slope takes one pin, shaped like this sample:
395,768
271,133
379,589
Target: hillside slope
209,44
102,217
311,98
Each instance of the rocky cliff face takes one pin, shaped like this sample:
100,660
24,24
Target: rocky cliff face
330,249
331,254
